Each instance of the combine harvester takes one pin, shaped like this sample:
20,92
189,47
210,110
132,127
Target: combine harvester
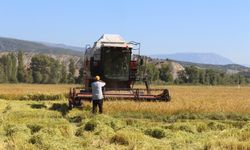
120,65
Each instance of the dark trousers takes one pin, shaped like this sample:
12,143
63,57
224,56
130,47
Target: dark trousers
98,103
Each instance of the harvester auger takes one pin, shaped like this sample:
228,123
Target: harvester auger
112,58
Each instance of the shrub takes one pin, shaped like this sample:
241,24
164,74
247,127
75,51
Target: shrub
156,133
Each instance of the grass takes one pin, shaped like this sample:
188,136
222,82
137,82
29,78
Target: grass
198,117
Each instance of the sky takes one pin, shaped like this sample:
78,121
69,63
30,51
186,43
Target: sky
161,26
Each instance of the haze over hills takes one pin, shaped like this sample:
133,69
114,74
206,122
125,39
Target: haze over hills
201,58
81,49
10,44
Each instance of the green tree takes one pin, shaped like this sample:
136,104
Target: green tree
20,68
64,78
192,73
152,72
41,67
14,68
165,74
242,80
28,76
55,72
37,77
212,76
181,77
2,80
202,76
4,62
72,70
9,68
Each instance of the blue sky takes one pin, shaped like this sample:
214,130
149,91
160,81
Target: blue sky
162,26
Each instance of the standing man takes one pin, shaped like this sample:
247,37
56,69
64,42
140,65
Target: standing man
97,95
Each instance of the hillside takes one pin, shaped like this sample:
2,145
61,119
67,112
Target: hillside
176,66
230,68
60,52
81,49
201,58
9,44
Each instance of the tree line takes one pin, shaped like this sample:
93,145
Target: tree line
194,75
42,69
47,70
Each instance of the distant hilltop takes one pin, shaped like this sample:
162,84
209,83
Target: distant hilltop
60,52
201,58
10,44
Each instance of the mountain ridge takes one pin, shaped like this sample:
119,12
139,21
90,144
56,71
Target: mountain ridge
60,45
204,58
12,44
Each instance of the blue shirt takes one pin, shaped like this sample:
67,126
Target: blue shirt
97,90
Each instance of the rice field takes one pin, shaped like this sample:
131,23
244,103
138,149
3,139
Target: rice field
193,99
198,117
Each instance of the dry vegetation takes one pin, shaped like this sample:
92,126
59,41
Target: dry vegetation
20,89
198,117
33,91
193,99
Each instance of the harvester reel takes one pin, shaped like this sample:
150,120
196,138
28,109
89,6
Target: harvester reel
139,95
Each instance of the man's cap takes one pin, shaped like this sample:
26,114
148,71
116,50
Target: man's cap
97,78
